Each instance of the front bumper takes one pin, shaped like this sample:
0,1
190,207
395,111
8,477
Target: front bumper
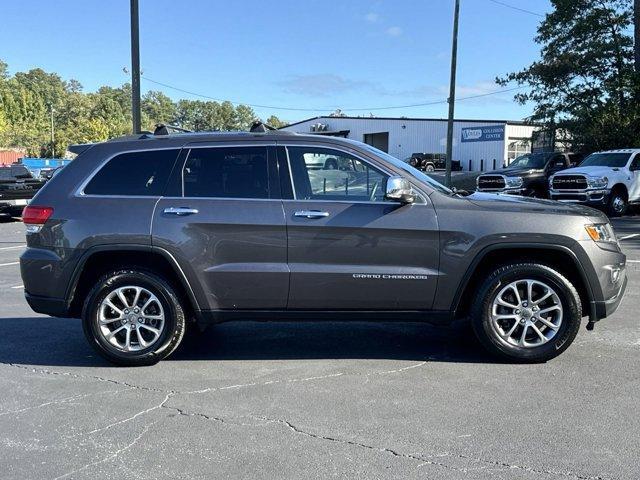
508,191
606,308
595,198
13,207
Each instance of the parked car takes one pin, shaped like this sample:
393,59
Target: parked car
607,180
527,175
430,162
17,187
146,236
50,173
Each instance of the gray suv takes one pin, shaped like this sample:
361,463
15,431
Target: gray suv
148,236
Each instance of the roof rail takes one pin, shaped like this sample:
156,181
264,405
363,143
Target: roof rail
162,129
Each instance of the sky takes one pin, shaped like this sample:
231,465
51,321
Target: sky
315,55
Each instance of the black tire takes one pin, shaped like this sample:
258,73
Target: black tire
174,322
618,203
503,276
430,167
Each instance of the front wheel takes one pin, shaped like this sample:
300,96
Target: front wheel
526,312
430,168
618,203
133,318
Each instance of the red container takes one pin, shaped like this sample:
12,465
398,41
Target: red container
8,157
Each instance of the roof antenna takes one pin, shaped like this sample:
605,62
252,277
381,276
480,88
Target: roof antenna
162,129
260,127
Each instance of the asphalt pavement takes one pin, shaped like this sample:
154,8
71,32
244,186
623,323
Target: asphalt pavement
316,400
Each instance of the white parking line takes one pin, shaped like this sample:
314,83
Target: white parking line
15,247
633,261
7,264
18,286
627,237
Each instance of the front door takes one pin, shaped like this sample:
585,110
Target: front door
634,189
224,224
349,248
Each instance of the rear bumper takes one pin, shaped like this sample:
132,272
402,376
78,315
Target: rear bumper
55,307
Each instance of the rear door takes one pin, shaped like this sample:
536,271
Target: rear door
222,219
349,248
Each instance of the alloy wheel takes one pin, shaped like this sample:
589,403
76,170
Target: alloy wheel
131,318
526,313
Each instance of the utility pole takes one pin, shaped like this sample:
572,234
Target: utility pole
53,140
135,67
452,92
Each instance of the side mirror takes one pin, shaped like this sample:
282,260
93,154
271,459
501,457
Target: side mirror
399,190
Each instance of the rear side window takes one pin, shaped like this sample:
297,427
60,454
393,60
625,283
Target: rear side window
135,173
226,172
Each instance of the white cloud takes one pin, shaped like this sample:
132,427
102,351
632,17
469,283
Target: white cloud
394,31
372,17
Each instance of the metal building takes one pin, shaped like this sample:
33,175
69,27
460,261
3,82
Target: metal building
478,144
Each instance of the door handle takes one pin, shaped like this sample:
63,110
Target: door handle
180,211
311,214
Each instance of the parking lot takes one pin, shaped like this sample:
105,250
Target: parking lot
316,400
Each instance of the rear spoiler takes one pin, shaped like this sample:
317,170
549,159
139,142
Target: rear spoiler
78,148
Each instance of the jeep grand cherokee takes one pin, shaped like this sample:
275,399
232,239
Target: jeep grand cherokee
145,236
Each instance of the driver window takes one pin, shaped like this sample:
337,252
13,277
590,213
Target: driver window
635,165
326,174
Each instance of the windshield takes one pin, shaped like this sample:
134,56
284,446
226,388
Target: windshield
531,160
613,160
414,172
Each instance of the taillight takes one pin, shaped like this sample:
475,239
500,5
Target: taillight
35,216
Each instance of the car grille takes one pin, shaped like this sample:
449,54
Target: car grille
569,182
491,182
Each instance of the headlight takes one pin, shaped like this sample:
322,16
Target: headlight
513,182
551,182
597,182
601,232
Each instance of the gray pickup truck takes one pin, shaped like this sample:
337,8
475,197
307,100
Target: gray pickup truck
145,236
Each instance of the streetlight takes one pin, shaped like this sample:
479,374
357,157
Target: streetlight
452,92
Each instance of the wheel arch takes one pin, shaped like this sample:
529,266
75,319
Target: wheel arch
97,260
621,186
558,257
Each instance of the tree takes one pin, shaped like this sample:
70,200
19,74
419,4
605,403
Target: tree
157,108
636,30
584,81
276,122
26,99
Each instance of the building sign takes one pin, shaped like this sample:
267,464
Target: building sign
493,133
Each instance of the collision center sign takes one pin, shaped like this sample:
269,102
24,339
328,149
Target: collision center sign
493,133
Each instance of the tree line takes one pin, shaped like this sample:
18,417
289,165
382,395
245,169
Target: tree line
585,87
28,99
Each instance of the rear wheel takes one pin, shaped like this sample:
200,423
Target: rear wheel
526,312
430,167
133,318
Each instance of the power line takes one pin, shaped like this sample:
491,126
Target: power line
294,109
513,7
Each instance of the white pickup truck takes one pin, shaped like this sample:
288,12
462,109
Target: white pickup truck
609,180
